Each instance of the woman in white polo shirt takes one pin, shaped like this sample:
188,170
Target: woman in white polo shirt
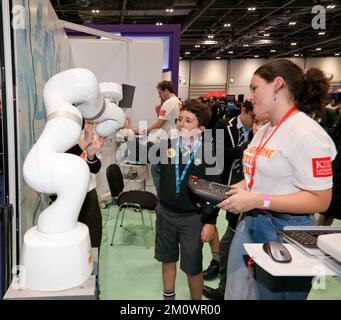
288,175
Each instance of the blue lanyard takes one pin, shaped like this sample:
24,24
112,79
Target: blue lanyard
177,170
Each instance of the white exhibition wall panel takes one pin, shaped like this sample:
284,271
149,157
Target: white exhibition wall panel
145,72
138,63
208,71
167,75
65,53
241,71
207,75
107,59
184,79
37,54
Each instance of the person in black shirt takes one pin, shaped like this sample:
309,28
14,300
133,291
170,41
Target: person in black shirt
237,134
90,213
180,222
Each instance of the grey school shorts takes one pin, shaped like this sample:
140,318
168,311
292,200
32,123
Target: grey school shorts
176,231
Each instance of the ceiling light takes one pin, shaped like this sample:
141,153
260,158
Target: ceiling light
227,25
197,45
272,50
263,41
293,43
230,52
321,33
266,34
218,58
292,23
318,49
296,55
209,42
245,45
159,23
256,56
251,9
337,54
187,52
210,36
169,10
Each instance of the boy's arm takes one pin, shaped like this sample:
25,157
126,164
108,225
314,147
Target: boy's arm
207,232
210,212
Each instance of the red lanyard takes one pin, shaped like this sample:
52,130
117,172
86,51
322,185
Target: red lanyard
261,146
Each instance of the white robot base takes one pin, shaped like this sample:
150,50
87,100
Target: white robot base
53,262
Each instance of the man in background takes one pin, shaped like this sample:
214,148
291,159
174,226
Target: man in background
167,112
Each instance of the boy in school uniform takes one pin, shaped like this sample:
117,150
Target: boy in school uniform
182,225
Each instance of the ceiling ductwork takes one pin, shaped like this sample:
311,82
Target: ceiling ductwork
262,29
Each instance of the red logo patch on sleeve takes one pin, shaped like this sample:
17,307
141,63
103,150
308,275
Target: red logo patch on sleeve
322,167
162,113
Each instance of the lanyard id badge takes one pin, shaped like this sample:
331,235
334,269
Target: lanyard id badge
179,179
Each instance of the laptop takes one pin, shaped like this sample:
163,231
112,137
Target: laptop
308,239
331,244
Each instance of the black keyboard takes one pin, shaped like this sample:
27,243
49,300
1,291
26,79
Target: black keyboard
307,239
208,190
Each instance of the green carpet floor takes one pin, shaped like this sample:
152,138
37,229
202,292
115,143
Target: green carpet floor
128,270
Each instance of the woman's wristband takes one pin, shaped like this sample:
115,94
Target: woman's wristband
266,201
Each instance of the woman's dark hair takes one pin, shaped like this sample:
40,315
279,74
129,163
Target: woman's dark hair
202,111
309,90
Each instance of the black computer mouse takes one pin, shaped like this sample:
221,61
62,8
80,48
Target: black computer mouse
277,251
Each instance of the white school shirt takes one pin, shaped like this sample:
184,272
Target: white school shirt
297,157
169,111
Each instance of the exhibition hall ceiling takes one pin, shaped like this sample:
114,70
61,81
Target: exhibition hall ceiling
213,29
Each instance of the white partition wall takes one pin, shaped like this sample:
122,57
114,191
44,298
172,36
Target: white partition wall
207,76
241,71
184,79
137,62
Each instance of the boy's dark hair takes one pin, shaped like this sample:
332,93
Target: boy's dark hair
163,85
202,111
248,106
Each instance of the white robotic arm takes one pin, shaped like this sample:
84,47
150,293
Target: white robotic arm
56,254
69,96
